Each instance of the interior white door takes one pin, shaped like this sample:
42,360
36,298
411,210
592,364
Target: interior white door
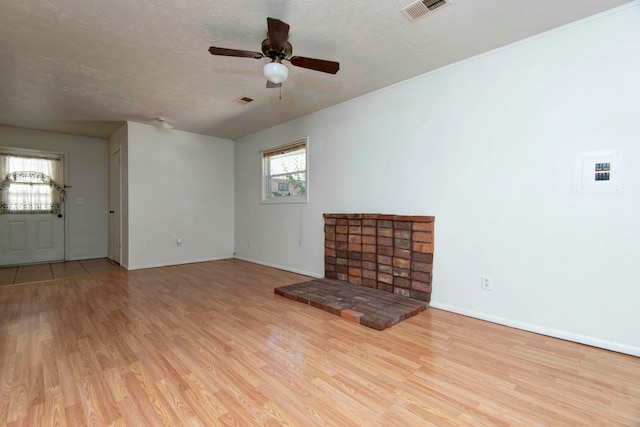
115,202
31,238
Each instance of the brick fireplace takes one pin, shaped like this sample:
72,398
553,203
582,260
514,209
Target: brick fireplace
393,253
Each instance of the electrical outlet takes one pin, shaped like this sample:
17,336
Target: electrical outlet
486,283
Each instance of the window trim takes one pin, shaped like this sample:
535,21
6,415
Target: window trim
282,149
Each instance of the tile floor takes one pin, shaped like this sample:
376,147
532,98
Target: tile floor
55,270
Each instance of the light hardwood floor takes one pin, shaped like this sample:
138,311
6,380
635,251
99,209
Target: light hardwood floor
210,344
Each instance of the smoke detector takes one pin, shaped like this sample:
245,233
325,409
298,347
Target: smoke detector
160,122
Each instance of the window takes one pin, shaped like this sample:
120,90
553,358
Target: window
285,173
31,184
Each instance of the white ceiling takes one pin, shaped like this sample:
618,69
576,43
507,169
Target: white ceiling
85,66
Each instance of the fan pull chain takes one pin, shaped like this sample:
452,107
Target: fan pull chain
280,96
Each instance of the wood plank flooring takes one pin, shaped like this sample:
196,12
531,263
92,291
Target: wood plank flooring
210,344
29,273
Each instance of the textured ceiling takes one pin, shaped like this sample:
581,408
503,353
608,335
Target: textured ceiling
85,66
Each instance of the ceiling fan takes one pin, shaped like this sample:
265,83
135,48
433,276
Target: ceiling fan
277,48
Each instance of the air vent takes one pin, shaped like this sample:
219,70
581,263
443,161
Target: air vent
243,101
419,9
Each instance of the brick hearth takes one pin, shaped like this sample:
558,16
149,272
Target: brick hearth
393,253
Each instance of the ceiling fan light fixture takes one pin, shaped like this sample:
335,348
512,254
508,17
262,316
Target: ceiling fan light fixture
275,72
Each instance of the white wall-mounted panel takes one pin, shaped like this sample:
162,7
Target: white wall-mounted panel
17,236
45,234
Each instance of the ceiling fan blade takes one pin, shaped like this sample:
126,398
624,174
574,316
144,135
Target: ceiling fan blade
330,67
271,85
235,52
278,33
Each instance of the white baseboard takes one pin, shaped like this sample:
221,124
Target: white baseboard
169,264
281,267
569,336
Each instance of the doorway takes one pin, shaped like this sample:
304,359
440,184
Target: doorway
115,203
32,223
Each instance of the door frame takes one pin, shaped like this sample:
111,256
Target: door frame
112,252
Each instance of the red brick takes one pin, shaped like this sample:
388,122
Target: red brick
369,257
369,274
329,237
421,286
402,253
422,236
355,229
330,259
369,240
342,221
351,315
385,232
369,231
343,229
329,252
354,255
330,245
385,278
416,219
387,287
369,265
402,244
342,269
422,296
355,238
420,276
402,225
423,226
356,222
355,280
354,263
329,267
342,245
369,248
401,272
369,283
383,259
402,234
421,266
342,237
330,274
385,241
402,282
343,276
423,247
383,223
401,263
329,221
355,247
401,291
369,222
341,261
385,250
386,269
420,257
355,271
342,254
329,228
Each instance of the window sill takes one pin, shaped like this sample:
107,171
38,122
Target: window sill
284,200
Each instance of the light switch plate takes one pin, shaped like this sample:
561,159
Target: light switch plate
598,172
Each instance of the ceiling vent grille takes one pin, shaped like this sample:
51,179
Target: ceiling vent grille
421,8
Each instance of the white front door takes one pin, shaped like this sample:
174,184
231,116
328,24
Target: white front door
31,238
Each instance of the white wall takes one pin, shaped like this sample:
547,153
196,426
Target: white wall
179,185
487,146
87,166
